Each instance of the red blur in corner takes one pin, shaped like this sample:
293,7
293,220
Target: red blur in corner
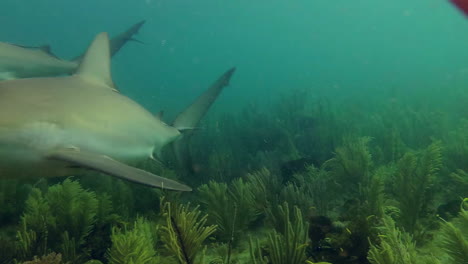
462,5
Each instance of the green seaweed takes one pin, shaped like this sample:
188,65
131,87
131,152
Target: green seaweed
133,246
60,219
413,184
231,207
287,243
454,238
184,232
396,247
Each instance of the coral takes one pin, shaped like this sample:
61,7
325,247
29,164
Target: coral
184,232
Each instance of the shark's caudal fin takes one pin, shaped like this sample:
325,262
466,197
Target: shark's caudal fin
191,116
117,42
188,119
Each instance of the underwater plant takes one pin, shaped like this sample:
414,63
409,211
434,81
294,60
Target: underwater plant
454,237
265,186
460,178
60,219
396,247
413,186
352,164
231,207
318,186
184,232
133,246
287,244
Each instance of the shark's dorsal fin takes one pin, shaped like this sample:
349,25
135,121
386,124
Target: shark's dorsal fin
47,49
44,48
95,65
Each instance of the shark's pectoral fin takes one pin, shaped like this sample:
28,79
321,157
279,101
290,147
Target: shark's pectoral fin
115,168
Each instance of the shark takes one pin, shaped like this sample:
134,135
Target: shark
59,126
25,62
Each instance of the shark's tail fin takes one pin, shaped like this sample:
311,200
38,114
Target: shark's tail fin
191,116
117,42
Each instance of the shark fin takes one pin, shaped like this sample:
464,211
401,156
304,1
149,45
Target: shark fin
95,65
188,119
117,42
192,115
47,49
115,168
120,40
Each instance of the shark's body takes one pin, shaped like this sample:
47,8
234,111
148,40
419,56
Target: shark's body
25,62
51,126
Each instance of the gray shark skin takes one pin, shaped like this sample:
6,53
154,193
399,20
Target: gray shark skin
18,62
56,126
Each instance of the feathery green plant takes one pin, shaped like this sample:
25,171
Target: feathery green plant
35,223
265,187
318,186
59,219
255,250
460,178
231,207
74,210
455,237
286,244
289,247
413,185
352,164
395,247
185,232
133,246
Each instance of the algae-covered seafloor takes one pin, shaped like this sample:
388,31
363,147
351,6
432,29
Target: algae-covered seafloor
383,184
368,166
